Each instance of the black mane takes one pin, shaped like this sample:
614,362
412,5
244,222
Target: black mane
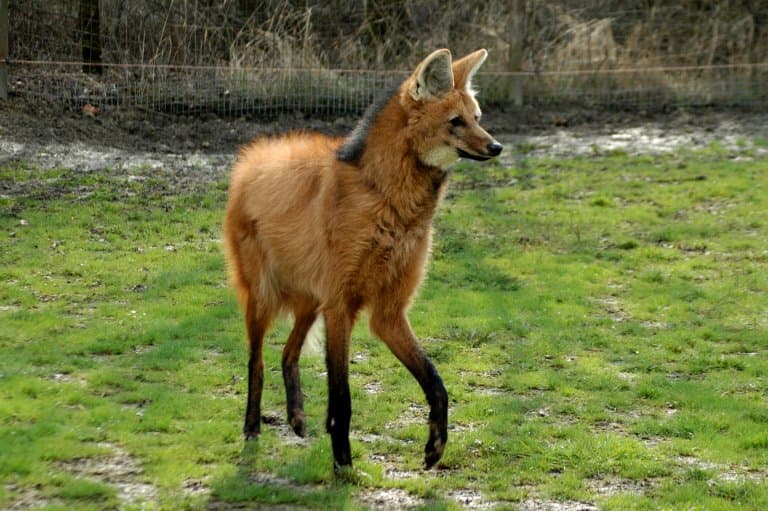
354,145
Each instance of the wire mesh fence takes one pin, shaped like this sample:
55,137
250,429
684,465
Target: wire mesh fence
196,89
266,58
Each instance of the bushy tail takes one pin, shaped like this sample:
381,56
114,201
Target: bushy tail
235,273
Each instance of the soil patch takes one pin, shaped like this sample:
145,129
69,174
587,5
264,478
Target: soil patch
202,148
385,499
550,505
118,469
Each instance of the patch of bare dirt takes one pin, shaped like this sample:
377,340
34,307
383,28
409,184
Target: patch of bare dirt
372,387
393,466
26,498
614,309
195,487
601,132
613,485
386,499
201,148
722,472
118,469
471,499
392,463
277,422
67,378
414,414
552,505
490,391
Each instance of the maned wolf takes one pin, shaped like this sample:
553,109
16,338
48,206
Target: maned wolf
321,225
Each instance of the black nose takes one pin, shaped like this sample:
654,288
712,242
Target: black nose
494,148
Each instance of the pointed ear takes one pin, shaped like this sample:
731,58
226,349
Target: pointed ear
465,68
433,77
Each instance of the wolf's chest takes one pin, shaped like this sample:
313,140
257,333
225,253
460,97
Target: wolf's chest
395,250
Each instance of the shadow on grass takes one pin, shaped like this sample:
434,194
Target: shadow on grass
349,490
249,486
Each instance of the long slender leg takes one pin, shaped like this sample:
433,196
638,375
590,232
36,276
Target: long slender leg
338,328
396,332
290,362
256,327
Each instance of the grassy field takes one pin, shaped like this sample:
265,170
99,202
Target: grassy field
601,325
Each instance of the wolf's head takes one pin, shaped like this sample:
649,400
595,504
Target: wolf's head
443,114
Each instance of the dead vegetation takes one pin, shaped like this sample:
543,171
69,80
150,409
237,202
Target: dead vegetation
554,35
619,51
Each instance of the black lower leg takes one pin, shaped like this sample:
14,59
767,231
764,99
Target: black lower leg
290,363
395,331
338,327
252,426
437,397
294,398
337,424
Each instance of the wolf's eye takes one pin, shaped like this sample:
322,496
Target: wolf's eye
457,121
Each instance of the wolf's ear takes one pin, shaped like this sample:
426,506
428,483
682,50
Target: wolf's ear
465,68
433,77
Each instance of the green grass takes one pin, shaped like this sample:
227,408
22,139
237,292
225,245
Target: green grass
600,324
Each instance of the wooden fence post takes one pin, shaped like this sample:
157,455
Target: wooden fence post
90,29
4,27
515,51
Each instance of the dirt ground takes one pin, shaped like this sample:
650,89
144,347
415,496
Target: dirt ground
202,147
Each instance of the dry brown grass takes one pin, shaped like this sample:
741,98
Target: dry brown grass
566,47
554,35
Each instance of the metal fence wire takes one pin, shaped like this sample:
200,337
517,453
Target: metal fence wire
244,57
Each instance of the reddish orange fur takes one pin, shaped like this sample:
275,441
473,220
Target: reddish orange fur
308,233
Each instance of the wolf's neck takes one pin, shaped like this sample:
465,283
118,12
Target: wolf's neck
392,167
381,148
351,151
